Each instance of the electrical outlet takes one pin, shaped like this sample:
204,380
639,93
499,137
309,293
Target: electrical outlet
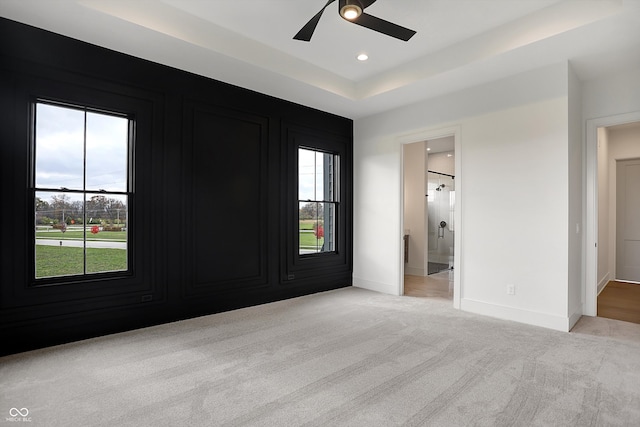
511,289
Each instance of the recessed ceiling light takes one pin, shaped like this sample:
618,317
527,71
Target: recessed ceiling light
363,57
428,148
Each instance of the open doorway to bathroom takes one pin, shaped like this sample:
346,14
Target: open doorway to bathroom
429,217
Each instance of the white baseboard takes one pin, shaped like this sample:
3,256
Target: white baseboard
545,320
384,288
414,271
602,283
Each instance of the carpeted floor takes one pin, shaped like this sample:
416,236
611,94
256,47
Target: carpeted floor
348,357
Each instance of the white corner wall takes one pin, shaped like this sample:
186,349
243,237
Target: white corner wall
513,163
576,242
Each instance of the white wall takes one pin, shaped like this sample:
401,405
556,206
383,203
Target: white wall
414,206
513,173
576,243
611,94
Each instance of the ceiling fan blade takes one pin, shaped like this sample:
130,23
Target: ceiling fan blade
384,27
306,32
367,3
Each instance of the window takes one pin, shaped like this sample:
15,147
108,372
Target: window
317,201
318,218
82,190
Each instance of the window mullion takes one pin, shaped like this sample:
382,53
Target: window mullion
84,192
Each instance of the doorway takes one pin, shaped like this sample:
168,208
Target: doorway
616,223
429,218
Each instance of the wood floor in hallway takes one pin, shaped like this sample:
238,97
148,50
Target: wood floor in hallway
438,285
620,301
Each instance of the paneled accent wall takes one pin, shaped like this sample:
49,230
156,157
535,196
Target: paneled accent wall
213,216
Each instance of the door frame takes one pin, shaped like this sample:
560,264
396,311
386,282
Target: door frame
590,253
620,230
422,136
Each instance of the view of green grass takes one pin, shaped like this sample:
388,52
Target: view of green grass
307,236
307,224
61,261
309,240
78,234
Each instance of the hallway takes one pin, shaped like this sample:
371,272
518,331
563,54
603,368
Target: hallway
620,301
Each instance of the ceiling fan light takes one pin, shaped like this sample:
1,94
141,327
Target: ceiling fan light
350,11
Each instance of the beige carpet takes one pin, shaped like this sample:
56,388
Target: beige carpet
346,357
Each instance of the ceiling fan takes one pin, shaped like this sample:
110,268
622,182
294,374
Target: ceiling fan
353,11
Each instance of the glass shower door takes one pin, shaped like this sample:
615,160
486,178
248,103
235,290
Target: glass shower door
440,212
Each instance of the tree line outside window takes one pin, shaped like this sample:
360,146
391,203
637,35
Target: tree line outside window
60,208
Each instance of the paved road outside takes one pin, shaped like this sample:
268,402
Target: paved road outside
78,243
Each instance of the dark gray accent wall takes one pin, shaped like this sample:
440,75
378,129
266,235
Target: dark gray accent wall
214,212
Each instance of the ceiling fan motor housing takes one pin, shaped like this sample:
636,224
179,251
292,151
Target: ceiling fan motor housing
350,9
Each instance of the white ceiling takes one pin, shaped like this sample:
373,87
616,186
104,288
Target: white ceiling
459,43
